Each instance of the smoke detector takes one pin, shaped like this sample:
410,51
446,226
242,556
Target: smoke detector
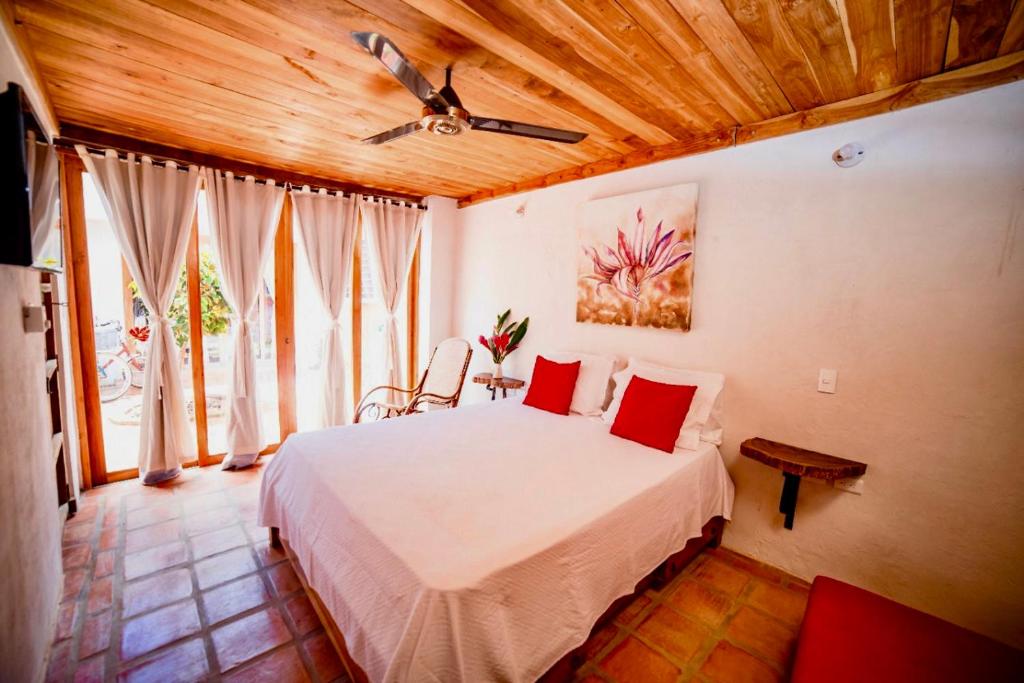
850,154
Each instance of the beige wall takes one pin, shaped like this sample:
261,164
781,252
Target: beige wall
30,562
905,273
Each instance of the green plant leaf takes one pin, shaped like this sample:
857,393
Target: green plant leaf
517,335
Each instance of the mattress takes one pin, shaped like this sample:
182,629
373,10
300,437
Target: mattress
481,543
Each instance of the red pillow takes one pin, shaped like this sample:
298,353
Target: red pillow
552,385
652,413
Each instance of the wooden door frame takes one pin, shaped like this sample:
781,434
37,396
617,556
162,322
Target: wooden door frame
83,337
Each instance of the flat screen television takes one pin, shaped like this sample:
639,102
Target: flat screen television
29,188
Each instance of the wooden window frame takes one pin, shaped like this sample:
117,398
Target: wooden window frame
83,340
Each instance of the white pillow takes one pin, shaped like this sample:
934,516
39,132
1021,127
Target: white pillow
592,383
703,421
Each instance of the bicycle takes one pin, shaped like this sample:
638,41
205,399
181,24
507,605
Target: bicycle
120,370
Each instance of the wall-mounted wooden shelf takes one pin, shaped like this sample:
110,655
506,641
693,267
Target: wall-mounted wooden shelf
796,463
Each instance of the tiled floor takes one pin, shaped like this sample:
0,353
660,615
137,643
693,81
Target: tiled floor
177,583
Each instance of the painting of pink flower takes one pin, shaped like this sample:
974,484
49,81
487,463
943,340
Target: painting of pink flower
630,274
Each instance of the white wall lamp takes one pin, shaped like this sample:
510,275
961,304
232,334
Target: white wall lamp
849,155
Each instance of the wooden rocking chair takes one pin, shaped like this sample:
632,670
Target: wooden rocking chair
440,385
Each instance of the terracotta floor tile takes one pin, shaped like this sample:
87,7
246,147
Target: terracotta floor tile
155,591
201,504
150,536
598,641
633,610
110,537
224,567
90,671
785,603
66,618
76,555
302,614
146,633
284,578
269,556
79,533
675,634
325,659
73,582
104,564
722,576
700,602
211,520
755,631
95,635
152,515
183,663
283,666
729,664
633,661
213,542
111,516
240,641
236,597
101,595
60,663
749,565
154,559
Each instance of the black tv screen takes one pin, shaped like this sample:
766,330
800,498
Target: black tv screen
29,188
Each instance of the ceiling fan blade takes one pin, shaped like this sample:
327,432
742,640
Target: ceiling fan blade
388,54
526,130
393,134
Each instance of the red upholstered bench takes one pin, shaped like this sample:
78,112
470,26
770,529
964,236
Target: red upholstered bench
849,634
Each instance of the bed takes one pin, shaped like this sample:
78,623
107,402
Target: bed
484,542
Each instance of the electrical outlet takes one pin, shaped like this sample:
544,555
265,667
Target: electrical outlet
827,381
850,485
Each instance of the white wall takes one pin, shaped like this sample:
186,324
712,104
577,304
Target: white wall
30,560
905,273
436,251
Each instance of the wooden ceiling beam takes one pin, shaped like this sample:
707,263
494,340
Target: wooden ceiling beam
922,27
95,139
1013,37
13,33
493,38
976,29
998,71
714,25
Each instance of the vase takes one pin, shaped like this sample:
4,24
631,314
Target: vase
497,371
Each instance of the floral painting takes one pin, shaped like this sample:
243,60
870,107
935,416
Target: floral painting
635,261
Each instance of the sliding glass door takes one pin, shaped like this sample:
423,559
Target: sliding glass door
112,330
110,327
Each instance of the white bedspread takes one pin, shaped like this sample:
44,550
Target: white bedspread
481,543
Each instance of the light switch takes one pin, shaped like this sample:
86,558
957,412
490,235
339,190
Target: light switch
34,318
827,381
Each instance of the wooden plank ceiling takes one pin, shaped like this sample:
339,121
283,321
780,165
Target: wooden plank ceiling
280,84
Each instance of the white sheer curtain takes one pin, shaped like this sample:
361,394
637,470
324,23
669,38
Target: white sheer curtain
243,217
393,229
150,208
43,181
327,226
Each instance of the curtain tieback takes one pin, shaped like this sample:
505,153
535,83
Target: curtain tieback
162,321
243,346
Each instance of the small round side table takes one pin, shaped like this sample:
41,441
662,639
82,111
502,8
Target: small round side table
493,384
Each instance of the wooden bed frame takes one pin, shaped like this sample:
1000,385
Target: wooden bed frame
564,668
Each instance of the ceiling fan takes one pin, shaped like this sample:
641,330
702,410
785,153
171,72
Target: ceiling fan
443,113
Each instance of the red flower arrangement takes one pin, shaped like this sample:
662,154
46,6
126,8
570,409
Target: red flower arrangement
505,338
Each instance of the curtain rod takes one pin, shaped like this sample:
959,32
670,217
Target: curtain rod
183,165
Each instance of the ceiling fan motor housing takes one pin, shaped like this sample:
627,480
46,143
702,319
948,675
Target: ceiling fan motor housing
454,122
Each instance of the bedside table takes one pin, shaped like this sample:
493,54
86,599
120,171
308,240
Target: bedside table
493,384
